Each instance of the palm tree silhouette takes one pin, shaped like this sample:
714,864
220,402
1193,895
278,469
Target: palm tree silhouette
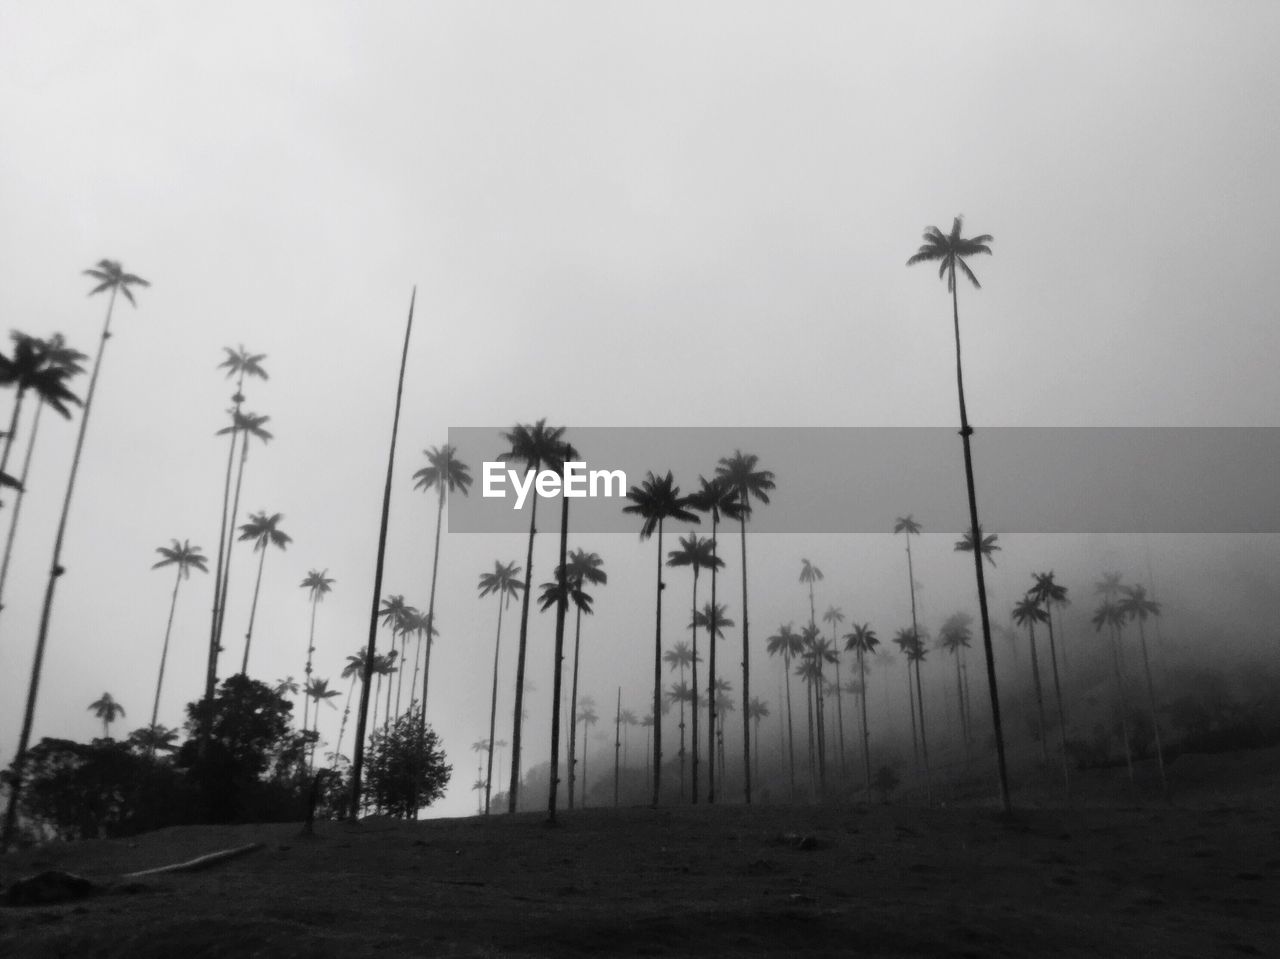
949,250
787,644
186,558
317,584
1109,615
446,474
757,710
354,670
912,647
318,690
397,616
656,500
740,474
863,641
154,738
565,590
108,710
584,568
29,368
1027,612
587,716
110,276
1136,606
57,355
263,531
699,554
536,446
678,658
818,651
1047,592
712,618
909,527
835,617
504,581
954,637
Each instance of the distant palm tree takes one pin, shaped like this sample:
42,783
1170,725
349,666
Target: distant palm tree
788,644
949,250
717,499
1136,606
1046,592
287,687
566,590
739,472
397,616
504,582
185,557
57,355
647,724
908,526
318,690
714,620
757,710
1052,594
584,569
617,747
110,276
863,641
954,637
698,553
108,710
818,651
317,584
154,738
835,617
656,500
479,787
263,531
587,716
446,474
916,652
724,706
1109,615
536,446
1027,612
353,670
679,657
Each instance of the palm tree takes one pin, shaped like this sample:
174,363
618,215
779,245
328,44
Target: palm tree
909,527
757,710
384,665
835,617
717,499
819,652
658,499
863,641
562,591
1027,612
108,710
724,705
30,368
587,716
647,724
110,276
536,446
318,584
617,746
740,474
1136,606
712,618
57,355
949,251
954,637
186,558
916,651
1047,592
353,670
239,363
989,547
584,568
504,581
699,553
448,475
155,738
318,690
263,531
787,644
679,657
1110,615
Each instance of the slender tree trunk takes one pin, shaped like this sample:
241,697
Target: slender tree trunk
514,790
562,607
311,646
346,714
964,724
617,747
911,703
1062,713
1035,674
866,735
915,632
711,665
253,612
693,628
357,764
164,655
791,733
584,763
17,501
924,742
231,534
657,687
746,666
55,572
431,600
13,429
573,705
1124,703
682,737
965,432
493,704
211,666
844,765
1151,702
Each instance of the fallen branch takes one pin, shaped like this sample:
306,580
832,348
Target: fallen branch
201,862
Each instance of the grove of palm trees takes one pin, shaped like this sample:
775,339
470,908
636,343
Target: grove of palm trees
462,253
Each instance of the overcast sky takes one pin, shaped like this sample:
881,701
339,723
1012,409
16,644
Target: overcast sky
615,214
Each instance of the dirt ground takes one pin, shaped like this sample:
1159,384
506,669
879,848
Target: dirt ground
1198,876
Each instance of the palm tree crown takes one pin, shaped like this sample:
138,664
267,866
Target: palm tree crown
658,499
443,472
949,250
504,580
185,556
265,531
111,276
319,583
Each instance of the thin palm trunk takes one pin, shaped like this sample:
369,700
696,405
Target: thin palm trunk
493,704
231,533
1062,712
253,612
164,655
557,681
573,704
1151,702
682,737
19,494
791,733
211,666
915,631
924,742
844,765
514,791
584,763
746,663
808,715
964,722
657,685
1124,702
693,626
55,572
617,746
911,703
866,736
357,764
1035,675
431,598
346,714
711,665
311,645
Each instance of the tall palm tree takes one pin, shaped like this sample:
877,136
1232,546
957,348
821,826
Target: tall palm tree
699,553
562,591
317,585
397,616
353,670
757,709
954,637
1109,615
110,276
29,368
656,500
318,690
917,651
57,355
617,747
835,617
1027,612
447,474
788,644
1046,592
536,446
989,545
587,716
820,653
908,526
1136,606
712,618
263,531
678,658
504,582
739,472
108,710
584,569
185,557
862,641
810,574
724,706
949,250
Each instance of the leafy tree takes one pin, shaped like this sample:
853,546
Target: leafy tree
263,531
503,582
406,767
149,740
184,557
739,472
108,710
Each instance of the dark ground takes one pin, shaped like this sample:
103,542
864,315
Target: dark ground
1199,876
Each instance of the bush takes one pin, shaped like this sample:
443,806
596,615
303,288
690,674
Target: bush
405,767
